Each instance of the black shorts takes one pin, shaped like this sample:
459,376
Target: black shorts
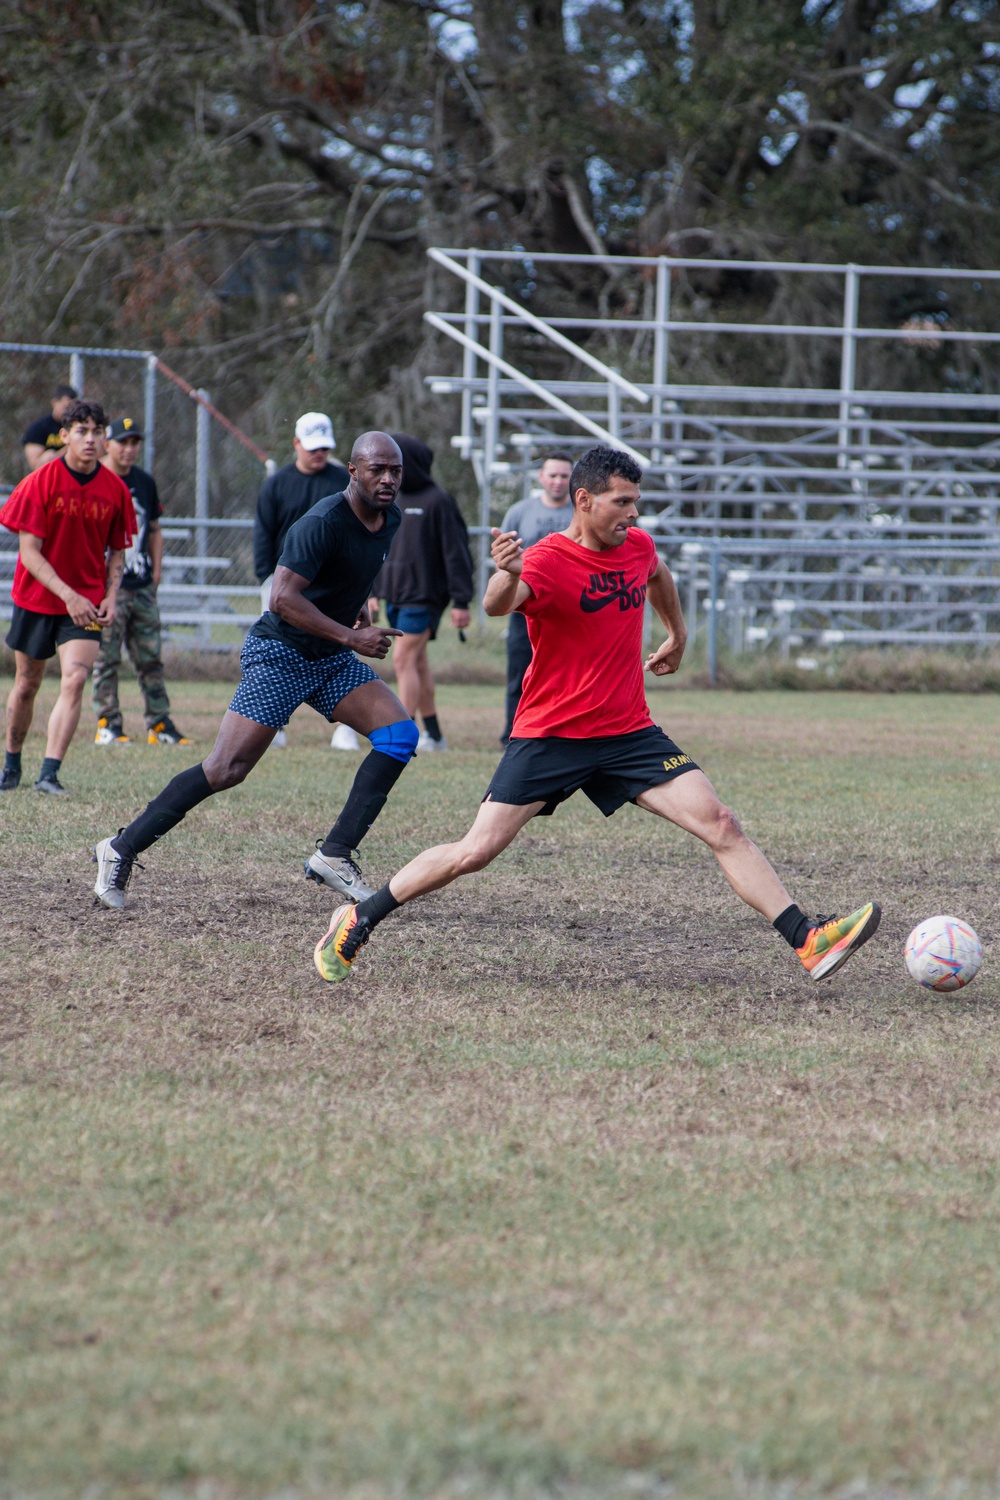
610,772
40,636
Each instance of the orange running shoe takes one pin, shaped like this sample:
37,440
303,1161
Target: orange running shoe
335,953
831,943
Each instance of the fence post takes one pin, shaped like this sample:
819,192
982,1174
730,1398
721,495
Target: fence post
149,413
203,429
848,360
661,353
713,614
76,371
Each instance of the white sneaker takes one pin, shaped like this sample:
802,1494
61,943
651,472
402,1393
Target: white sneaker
280,740
344,738
339,874
427,745
113,871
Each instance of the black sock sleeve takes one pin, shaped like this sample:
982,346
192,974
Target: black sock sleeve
793,924
377,775
164,812
376,907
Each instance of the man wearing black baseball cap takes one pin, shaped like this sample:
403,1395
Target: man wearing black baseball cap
136,624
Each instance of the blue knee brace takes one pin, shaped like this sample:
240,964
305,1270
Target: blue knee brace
396,740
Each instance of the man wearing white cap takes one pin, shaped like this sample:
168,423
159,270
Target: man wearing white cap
284,498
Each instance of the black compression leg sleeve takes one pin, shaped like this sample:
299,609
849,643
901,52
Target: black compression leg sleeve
377,775
164,812
793,924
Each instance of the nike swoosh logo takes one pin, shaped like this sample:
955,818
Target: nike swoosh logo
590,605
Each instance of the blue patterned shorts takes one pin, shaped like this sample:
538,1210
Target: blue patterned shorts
277,680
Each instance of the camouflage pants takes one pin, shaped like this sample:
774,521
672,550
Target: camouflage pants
136,626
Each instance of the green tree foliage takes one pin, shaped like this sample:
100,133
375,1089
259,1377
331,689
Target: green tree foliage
255,182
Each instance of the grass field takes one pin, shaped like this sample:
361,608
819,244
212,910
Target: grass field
577,1186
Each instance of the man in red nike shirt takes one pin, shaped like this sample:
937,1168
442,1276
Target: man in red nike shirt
583,723
74,520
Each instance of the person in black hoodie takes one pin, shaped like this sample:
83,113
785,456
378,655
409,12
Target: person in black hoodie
429,563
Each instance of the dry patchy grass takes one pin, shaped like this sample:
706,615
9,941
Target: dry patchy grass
576,1187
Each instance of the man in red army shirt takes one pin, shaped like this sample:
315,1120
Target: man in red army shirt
74,520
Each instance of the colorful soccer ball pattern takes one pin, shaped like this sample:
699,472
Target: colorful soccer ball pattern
943,954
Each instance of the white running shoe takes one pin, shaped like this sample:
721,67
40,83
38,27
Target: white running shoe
113,871
339,874
344,738
280,740
427,745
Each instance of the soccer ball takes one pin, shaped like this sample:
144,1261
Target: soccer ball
943,954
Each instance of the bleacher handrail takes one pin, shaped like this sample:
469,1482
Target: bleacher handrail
528,384
693,262
544,326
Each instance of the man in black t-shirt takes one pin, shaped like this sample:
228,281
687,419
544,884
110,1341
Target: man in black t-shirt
136,624
42,441
303,651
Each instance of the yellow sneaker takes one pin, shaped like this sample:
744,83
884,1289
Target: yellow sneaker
110,732
831,943
335,953
166,733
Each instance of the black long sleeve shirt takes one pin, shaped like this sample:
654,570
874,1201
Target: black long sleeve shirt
283,499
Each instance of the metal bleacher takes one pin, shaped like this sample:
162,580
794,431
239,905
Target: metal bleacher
792,515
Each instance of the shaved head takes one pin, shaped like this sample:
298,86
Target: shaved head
377,447
376,469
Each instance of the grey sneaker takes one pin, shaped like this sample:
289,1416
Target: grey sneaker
113,872
10,780
52,785
339,874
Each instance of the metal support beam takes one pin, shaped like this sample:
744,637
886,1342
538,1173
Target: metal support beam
491,438
202,459
469,355
848,359
614,412
713,614
661,353
149,413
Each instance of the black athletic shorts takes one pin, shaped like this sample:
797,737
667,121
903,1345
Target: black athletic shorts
40,636
610,772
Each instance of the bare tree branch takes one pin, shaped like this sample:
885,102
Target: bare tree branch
898,160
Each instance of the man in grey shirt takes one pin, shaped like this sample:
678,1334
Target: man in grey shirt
540,515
